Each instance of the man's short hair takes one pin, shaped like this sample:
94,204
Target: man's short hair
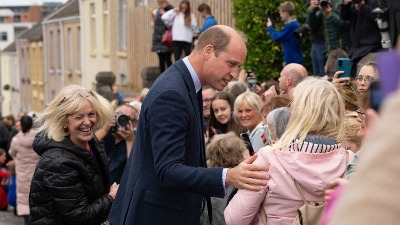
203,7
288,7
218,38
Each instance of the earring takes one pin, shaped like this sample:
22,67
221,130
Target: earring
65,128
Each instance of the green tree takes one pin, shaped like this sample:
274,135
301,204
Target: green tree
264,56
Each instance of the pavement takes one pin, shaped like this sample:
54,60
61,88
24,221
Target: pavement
8,218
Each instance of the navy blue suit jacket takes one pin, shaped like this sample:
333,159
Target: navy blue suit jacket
165,179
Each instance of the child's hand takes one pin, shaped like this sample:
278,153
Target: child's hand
269,22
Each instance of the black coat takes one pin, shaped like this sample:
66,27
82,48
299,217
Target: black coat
365,36
69,186
159,30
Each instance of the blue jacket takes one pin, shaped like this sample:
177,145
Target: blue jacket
291,45
165,179
208,22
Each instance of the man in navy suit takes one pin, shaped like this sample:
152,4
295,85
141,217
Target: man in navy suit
166,179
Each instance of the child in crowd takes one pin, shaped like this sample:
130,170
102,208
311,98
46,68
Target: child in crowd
224,150
291,45
12,186
3,182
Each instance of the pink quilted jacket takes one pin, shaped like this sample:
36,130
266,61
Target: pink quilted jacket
312,165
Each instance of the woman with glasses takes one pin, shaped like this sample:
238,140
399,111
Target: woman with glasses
70,184
365,76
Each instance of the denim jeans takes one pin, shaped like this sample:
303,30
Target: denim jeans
318,58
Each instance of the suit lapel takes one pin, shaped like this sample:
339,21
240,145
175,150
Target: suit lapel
196,104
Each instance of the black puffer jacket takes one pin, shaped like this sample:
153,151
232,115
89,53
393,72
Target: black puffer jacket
69,186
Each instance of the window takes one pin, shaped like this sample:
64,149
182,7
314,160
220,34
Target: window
106,26
51,51
3,36
79,48
69,49
93,27
57,51
122,25
141,3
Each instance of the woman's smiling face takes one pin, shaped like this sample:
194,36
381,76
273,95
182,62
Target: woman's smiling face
80,125
222,110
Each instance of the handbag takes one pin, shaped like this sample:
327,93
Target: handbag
167,38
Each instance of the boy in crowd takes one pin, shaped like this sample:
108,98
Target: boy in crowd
291,45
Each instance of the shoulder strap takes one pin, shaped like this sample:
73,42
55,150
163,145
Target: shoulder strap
298,187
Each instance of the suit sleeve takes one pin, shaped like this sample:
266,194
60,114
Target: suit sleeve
169,121
62,179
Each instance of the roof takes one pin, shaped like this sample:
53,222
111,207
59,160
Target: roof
6,12
71,8
10,48
7,3
33,34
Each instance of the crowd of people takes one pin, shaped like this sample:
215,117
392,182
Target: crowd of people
202,147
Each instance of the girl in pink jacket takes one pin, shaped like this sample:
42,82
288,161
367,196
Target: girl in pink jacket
309,151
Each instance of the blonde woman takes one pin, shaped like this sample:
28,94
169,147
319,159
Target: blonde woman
70,184
247,111
309,152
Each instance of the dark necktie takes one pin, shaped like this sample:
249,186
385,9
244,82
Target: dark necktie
200,102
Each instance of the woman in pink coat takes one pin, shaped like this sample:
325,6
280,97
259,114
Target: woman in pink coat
25,162
309,151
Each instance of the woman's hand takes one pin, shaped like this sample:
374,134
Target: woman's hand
113,190
337,80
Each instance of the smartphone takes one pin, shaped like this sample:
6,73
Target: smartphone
343,64
388,64
251,82
267,134
375,95
246,140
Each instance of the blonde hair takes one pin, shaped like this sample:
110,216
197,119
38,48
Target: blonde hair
352,127
251,99
317,109
225,150
68,101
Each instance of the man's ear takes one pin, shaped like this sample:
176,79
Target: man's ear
208,51
289,81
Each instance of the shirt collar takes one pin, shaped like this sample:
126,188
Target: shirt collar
195,77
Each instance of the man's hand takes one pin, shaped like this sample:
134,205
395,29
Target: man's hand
313,4
127,133
248,176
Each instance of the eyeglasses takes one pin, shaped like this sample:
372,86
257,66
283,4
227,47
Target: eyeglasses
360,114
367,79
